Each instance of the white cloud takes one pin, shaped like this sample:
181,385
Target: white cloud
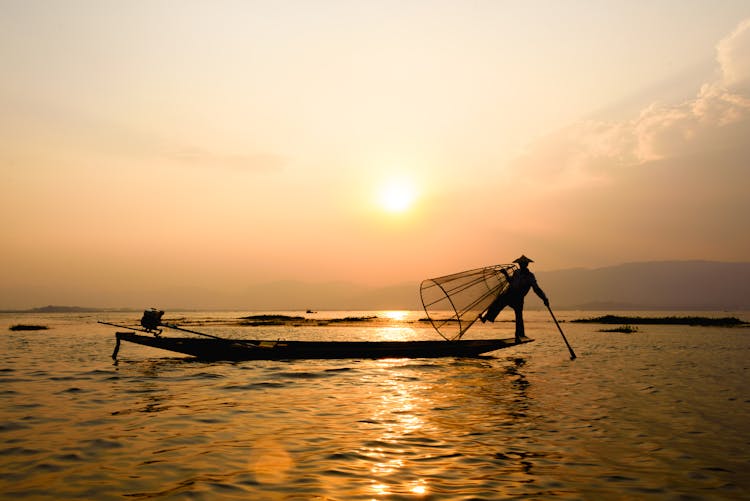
586,150
733,54
668,184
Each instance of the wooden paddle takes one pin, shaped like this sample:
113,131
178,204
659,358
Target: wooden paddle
237,341
572,354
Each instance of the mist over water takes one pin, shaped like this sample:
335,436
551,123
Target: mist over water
660,413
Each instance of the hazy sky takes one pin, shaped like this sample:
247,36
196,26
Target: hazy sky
217,144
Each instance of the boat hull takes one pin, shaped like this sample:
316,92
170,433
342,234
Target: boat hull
225,349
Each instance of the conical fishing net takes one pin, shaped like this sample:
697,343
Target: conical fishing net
454,302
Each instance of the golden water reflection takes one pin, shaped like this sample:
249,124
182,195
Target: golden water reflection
400,411
395,334
396,328
396,315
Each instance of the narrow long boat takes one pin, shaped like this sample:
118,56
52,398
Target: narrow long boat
211,347
241,349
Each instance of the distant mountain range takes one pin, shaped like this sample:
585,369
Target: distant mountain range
666,285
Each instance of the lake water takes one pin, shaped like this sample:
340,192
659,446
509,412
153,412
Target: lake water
663,413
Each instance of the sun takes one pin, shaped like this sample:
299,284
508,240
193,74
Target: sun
397,195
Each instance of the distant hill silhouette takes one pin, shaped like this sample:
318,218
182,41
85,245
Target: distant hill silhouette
668,285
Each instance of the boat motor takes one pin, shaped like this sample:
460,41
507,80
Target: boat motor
151,319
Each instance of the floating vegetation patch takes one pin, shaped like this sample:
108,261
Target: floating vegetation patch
27,327
271,320
352,319
693,321
625,329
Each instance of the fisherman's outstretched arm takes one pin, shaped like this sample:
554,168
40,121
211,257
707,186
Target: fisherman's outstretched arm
540,293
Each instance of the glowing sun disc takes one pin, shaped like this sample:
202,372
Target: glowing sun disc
397,196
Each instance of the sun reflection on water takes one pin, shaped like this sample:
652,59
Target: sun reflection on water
395,333
396,315
420,489
395,325
401,413
381,489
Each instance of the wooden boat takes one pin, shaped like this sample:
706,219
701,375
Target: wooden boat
210,347
235,349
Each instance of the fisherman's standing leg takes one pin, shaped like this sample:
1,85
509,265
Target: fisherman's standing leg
519,323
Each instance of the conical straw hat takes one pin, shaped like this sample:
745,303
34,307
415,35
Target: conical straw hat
523,259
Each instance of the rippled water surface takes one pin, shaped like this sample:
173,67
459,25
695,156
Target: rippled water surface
663,413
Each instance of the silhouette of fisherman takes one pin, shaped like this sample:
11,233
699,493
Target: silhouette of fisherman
519,284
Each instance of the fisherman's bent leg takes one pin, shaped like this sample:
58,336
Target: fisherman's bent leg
494,310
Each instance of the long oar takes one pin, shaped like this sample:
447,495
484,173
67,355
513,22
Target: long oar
572,353
177,327
131,328
240,341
